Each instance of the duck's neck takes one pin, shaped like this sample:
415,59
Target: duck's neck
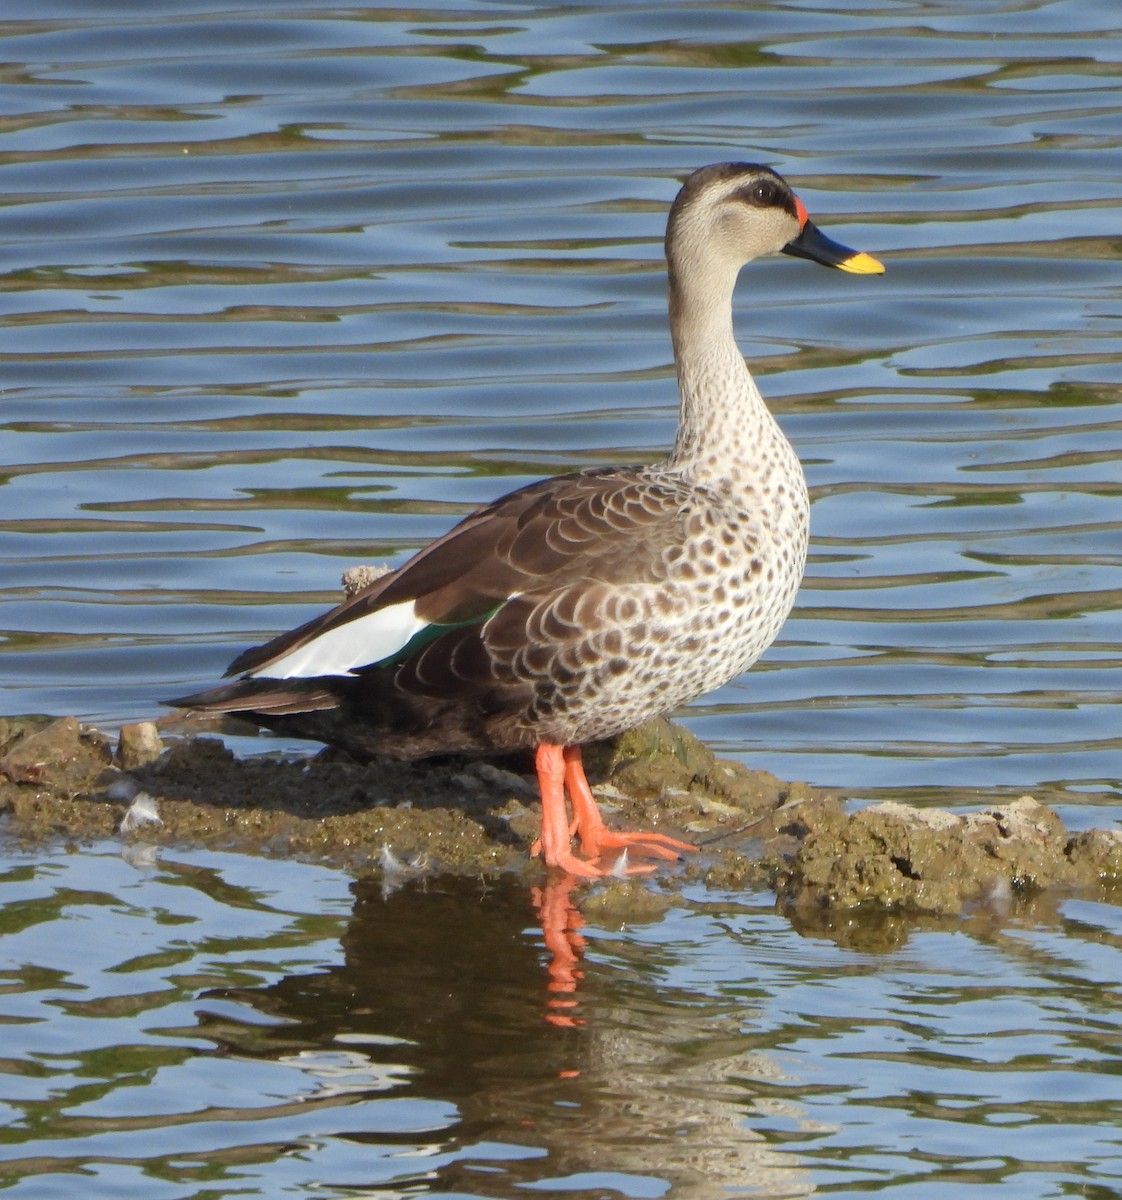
728,442
726,432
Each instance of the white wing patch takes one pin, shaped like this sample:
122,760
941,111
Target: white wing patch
358,643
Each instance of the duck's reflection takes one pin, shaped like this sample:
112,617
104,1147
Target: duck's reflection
561,923
628,1085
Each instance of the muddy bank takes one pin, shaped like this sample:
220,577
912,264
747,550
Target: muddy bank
172,785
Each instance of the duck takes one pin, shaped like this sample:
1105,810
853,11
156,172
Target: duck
584,604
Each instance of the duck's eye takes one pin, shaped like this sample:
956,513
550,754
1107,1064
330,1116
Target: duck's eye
764,192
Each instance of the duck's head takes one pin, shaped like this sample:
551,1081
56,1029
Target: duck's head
730,213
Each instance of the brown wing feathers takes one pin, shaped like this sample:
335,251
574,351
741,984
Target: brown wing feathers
539,566
555,530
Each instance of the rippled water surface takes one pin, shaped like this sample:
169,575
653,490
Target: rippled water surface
293,287
241,1028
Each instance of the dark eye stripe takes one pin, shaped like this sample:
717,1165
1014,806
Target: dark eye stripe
768,193
764,192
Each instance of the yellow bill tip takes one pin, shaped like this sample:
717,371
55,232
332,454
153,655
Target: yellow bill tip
862,264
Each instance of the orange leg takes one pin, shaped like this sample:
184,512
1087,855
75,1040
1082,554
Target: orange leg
595,836
554,841
559,767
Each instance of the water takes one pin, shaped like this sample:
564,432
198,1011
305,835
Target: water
292,289
246,1028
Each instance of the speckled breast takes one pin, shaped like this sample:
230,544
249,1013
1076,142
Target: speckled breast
717,601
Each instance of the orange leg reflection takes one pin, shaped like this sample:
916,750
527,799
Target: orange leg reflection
561,924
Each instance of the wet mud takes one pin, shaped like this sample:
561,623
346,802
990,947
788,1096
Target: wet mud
175,783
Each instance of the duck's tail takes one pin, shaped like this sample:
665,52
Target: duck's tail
268,697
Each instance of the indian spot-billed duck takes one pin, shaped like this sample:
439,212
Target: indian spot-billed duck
577,607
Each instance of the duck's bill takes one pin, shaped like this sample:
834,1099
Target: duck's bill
812,243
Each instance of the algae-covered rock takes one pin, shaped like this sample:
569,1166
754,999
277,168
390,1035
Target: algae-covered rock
623,902
1096,856
57,755
659,759
660,777
455,815
894,857
834,870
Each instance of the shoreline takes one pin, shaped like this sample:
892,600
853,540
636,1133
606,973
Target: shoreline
826,863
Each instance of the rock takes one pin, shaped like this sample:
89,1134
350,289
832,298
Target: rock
667,779
500,781
622,902
893,857
138,745
1096,856
355,579
58,753
46,746
862,876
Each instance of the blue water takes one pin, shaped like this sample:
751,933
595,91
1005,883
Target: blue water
245,1027
286,294
291,289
